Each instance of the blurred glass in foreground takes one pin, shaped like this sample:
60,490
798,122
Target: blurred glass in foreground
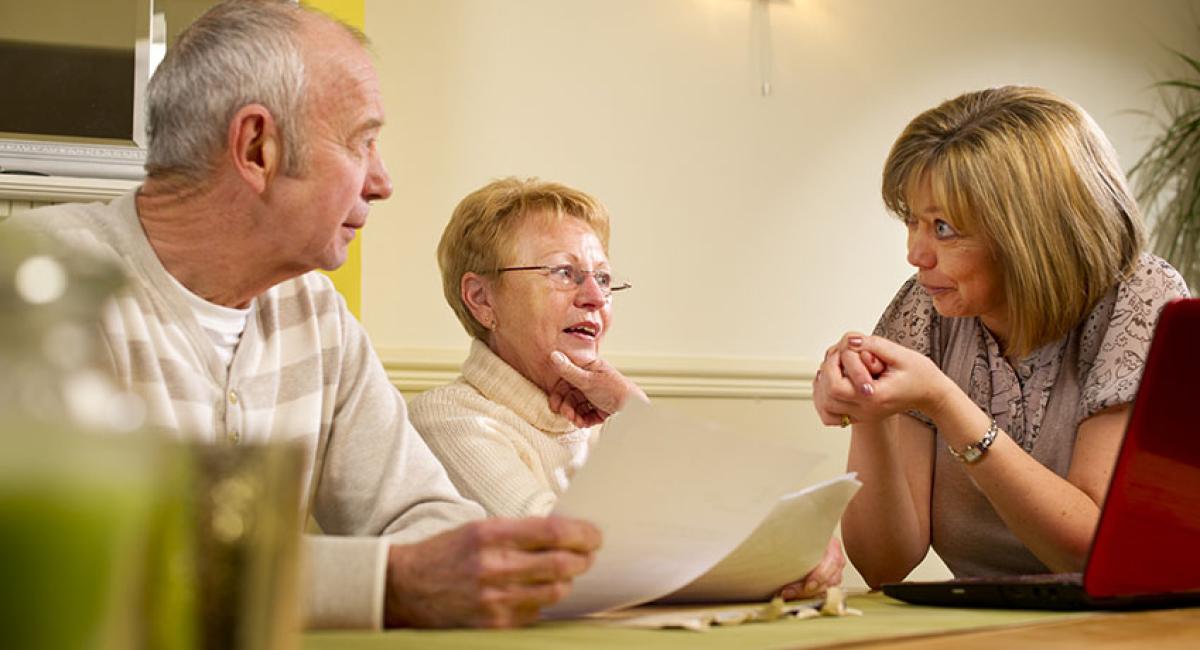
111,537
248,514
73,506
223,549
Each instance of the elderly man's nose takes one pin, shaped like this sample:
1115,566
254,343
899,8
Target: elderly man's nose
378,185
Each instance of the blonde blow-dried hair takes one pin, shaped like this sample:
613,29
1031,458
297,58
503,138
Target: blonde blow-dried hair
482,229
1034,177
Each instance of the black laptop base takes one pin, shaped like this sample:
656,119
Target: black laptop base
1023,593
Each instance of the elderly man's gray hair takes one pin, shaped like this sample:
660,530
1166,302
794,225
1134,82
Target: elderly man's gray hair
238,53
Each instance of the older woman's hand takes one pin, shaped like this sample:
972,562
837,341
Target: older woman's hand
827,573
587,395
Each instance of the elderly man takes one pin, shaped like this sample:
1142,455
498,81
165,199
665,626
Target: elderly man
262,165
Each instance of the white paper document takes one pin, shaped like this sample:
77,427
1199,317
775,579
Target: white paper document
789,542
673,497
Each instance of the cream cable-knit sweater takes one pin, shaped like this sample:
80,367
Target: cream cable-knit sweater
498,439
303,371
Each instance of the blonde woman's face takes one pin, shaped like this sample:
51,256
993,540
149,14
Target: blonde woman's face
534,315
955,269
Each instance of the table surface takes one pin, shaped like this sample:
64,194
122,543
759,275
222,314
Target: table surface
886,623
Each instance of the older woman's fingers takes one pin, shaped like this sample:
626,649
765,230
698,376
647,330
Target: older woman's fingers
792,591
833,563
572,404
555,397
827,573
590,414
563,402
577,400
562,388
799,589
567,411
573,374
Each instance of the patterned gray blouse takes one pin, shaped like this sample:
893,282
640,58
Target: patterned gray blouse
1039,402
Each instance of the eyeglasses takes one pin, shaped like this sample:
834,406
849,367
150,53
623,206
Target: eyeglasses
569,276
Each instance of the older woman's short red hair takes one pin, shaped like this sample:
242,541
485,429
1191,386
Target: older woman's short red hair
481,230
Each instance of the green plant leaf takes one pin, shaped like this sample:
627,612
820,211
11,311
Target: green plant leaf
1167,175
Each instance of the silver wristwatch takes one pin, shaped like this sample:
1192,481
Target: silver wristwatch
974,451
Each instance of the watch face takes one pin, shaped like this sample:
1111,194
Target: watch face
972,454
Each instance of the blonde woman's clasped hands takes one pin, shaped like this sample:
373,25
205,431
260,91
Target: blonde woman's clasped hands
868,378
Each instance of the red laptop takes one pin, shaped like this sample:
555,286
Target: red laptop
1146,552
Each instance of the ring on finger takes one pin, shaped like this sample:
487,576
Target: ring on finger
845,421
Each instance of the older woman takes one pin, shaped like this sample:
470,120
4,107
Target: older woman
525,267
990,403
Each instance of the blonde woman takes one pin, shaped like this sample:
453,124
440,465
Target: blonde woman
988,407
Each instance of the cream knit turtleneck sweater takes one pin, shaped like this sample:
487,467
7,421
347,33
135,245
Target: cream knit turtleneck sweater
501,444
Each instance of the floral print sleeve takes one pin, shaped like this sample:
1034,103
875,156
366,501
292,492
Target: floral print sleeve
908,320
1116,335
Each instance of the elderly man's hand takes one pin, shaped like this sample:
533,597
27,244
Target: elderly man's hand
587,395
490,573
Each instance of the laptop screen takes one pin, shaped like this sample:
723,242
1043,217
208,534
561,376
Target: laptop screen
1148,538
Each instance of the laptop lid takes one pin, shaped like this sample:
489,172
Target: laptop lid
1148,538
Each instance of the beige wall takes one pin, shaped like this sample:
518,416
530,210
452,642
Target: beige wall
750,225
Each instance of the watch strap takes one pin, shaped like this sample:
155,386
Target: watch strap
973,452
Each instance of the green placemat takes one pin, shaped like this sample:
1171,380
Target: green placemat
882,618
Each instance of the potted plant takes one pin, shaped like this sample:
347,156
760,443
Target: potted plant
1167,176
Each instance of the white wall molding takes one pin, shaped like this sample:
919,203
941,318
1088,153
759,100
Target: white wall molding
61,189
73,158
418,369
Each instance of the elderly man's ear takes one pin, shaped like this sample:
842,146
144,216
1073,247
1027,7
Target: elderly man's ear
254,146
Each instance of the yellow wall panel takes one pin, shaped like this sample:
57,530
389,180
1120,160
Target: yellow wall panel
348,278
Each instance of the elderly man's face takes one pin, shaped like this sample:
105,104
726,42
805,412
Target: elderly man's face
343,171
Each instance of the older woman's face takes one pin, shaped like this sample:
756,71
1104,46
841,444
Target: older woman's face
955,269
534,316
